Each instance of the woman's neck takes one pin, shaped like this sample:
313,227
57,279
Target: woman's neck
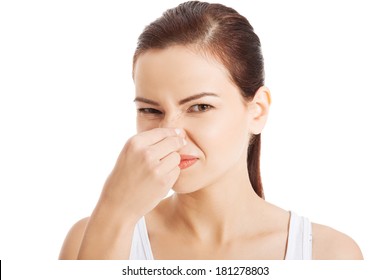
219,212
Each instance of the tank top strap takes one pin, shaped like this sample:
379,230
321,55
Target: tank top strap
140,245
299,243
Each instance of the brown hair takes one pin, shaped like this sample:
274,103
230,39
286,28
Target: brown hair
229,37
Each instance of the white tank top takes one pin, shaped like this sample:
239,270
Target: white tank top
299,242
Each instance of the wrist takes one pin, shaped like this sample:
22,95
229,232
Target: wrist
112,214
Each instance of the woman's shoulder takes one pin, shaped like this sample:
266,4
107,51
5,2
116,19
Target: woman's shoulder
71,245
330,244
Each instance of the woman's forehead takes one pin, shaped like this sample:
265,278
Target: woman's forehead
180,68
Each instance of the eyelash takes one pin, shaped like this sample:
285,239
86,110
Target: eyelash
153,111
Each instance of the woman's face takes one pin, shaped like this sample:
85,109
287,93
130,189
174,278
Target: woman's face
179,88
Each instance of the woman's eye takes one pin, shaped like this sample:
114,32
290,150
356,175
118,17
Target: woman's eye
149,111
198,108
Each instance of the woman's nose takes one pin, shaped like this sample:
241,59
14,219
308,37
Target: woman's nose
174,121
171,121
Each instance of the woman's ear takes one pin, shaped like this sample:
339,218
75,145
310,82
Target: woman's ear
259,109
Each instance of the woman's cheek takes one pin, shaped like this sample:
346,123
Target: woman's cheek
223,138
209,133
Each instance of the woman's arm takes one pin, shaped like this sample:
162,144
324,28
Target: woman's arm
101,236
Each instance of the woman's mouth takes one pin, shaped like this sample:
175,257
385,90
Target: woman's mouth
186,161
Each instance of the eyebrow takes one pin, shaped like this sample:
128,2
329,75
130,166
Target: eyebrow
181,102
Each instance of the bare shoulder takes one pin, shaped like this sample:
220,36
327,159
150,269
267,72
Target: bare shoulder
70,247
330,244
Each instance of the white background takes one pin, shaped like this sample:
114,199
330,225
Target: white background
66,110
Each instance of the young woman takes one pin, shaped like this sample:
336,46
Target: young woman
202,105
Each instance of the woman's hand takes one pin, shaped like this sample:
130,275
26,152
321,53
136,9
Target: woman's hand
145,171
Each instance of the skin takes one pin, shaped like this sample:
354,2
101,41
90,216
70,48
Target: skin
214,212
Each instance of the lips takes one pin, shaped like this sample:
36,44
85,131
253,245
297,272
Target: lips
186,161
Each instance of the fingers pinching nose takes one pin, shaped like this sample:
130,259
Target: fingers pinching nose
180,132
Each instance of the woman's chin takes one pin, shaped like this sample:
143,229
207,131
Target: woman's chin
182,187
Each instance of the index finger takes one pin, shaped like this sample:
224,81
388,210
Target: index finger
156,135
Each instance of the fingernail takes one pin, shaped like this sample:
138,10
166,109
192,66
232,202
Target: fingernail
178,131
